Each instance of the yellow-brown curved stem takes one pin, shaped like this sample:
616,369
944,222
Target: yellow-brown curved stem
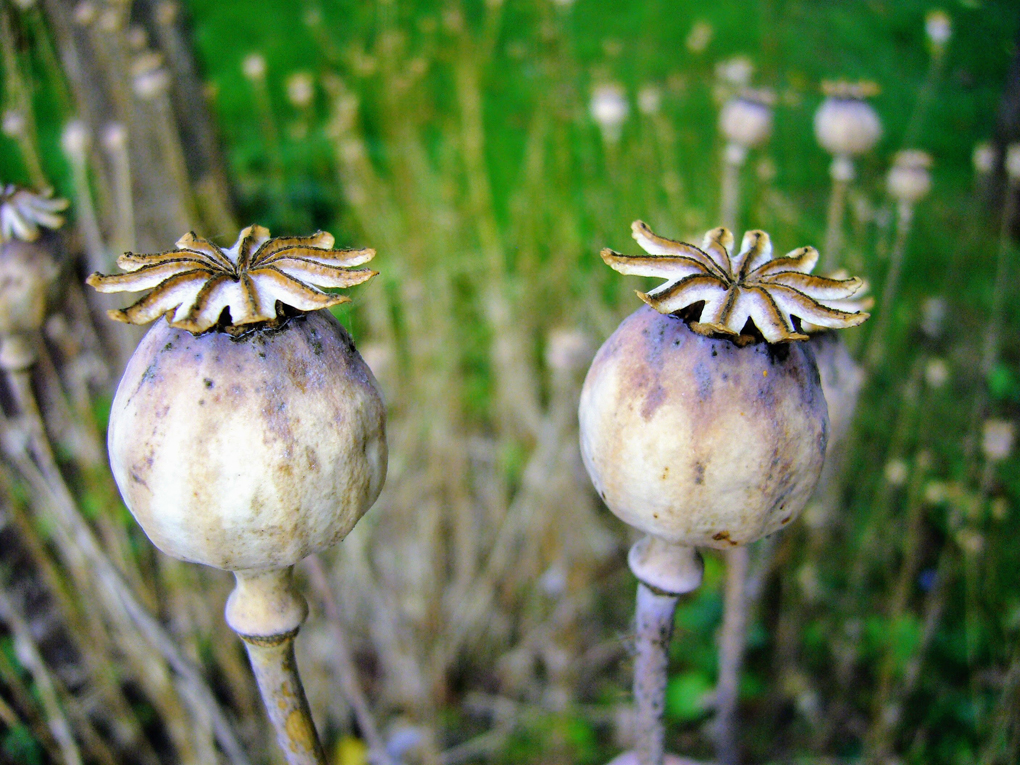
266,611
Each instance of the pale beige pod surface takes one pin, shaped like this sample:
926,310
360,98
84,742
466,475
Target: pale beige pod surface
699,441
249,452
847,126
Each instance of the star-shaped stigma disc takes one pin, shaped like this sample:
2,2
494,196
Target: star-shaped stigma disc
24,212
775,294
199,285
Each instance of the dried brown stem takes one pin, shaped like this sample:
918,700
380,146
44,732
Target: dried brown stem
346,668
266,612
831,256
732,640
30,658
83,554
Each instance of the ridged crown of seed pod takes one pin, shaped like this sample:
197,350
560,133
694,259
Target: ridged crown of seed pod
729,293
245,433
201,286
860,302
846,124
746,119
24,212
909,179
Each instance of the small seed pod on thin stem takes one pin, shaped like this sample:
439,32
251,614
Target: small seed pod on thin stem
908,182
247,434
846,126
609,108
701,422
746,123
26,270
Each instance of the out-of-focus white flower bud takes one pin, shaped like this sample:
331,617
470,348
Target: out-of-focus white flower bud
846,124
137,38
114,136
609,109
75,140
1013,162
85,13
167,12
938,25
747,119
301,89
997,439
983,158
735,71
14,123
649,100
936,373
699,37
896,472
935,492
149,78
568,350
909,179
933,314
999,508
112,19
253,67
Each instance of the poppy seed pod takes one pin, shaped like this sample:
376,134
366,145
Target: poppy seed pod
247,432
27,269
846,125
699,441
909,179
243,436
250,452
747,119
701,423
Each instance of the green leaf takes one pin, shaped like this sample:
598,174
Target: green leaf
687,695
1003,384
20,745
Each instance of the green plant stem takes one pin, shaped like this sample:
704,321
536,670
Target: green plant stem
886,700
19,98
990,336
20,696
275,668
733,161
876,347
841,172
